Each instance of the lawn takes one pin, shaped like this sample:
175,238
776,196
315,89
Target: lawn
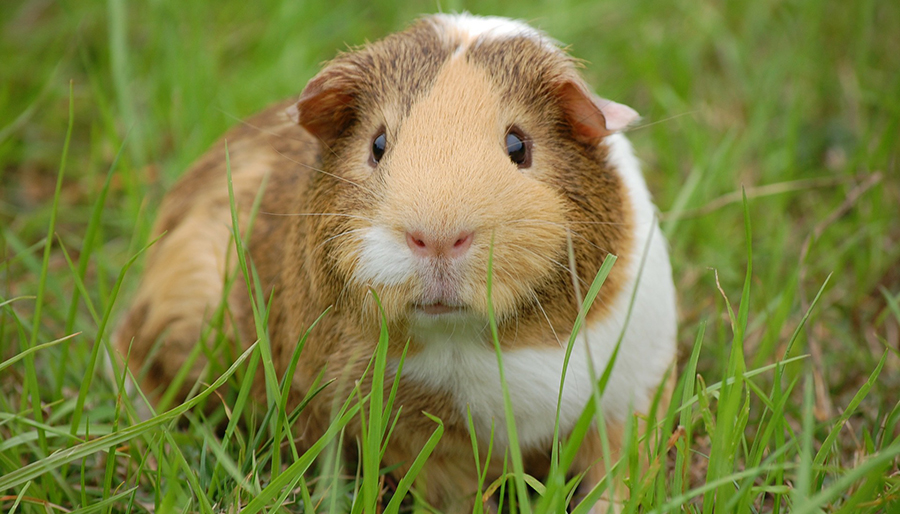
770,140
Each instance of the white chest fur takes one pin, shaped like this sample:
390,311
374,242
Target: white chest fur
465,364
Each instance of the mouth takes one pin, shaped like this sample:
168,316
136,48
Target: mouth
438,308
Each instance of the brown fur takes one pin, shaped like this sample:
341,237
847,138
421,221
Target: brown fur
444,118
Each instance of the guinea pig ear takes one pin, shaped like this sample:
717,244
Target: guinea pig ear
325,107
593,118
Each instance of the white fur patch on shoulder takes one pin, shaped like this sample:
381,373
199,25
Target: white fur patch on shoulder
383,259
648,335
649,343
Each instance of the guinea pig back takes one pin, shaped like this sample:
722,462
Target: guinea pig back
405,168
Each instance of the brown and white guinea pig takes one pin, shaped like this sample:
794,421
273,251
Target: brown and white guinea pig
399,167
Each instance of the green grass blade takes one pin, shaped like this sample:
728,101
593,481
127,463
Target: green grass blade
95,349
31,381
827,445
84,258
106,503
34,349
79,451
683,458
302,464
406,482
260,313
727,435
518,465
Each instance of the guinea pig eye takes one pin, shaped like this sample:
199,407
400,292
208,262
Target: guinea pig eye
519,148
378,146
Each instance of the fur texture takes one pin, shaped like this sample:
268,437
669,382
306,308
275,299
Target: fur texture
417,225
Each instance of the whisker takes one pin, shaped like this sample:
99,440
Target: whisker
336,214
564,225
569,229
485,331
591,243
670,118
313,168
345,233
553,261
516,316
343,292
259,129
546,317
281,135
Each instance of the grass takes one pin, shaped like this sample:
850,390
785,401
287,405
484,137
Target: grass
790,299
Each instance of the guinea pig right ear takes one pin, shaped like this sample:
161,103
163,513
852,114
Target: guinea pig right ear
326,105
593,118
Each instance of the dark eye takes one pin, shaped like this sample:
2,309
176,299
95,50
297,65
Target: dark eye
519,149
378,146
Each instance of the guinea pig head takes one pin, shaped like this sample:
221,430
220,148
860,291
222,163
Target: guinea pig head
451,149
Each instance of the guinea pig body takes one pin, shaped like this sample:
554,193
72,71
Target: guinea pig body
406,168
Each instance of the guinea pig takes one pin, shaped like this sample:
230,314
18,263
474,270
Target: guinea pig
384,192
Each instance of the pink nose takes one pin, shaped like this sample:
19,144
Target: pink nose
436,246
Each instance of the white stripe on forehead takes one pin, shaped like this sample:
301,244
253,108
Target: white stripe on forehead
494,27
478,25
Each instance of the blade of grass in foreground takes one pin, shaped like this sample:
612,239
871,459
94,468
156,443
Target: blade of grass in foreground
190,475
105,503
406,482
482,473
84,259
827,445
682,458
295,471
31,381
728,432
61,457
372,429
34,349
257,301
281,424
598,387
513,437
556,491
98,340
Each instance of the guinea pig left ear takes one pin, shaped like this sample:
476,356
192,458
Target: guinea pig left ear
326,105
593,118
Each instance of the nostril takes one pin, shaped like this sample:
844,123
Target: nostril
462,244
416,242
